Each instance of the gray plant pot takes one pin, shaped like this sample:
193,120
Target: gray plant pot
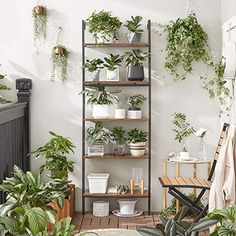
134,37
135,73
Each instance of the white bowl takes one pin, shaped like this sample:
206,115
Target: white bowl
127,206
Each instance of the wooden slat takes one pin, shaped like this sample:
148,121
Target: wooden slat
173,181
113,119
117,83
181,181
118,44
110,156
165,181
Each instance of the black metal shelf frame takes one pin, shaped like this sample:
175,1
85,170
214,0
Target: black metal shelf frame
148,85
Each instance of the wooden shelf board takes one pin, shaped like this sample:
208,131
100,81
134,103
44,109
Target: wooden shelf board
117,83
136,194
113,119
112,157
105,45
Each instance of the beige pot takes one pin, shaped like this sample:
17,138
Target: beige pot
40,10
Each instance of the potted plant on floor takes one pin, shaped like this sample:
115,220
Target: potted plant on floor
118,139
112,64
135,32
134,63
93,68
97,137
182,130
101,99
2,88
137,142
135,101
27,209
104,26
55,153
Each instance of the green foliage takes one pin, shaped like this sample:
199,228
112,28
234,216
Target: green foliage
186,44
112,62
59,59
134,25
227,220
55,153
118,135
172,208
136,100
39,15
136,136
63,228
217,87
98,95
93,65
98,134
103,23
136,57
183,128
3,87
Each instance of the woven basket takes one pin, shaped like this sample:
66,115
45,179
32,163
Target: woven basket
101,208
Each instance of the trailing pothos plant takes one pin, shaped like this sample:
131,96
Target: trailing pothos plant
3,87
187,43
59,58
39,14
27,210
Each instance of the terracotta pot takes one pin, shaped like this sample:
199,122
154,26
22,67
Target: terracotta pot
58,50
68,208
40,10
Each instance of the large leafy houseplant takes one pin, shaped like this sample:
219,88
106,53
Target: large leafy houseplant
182,128
93,68
101,99
103,26
59,58
3,87
27,210
39,14
134,112
134,62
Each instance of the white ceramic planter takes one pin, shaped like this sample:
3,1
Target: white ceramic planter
101,111
137,149
132,114
93,76
120,114
102,40
98,182
113,75
127,207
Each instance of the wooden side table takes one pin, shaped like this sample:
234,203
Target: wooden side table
177,163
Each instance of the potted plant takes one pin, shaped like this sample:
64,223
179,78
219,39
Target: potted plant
93,68
97,137
39,14
182,129
3,87
103,26
134,62
55,152
101,99
112,64
137,142
134,112
27,210
118,139
133,26
59,61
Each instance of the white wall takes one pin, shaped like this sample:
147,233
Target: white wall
58,108
228,9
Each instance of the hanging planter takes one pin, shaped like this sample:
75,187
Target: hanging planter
59,61
39,14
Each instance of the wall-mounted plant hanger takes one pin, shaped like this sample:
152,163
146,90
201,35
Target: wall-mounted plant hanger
59,59
40,15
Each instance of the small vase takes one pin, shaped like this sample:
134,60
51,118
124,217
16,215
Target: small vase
119,149
202,150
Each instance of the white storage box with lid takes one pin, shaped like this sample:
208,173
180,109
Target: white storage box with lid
98,182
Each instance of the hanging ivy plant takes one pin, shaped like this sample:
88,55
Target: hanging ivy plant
39,14
59,61
187,43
